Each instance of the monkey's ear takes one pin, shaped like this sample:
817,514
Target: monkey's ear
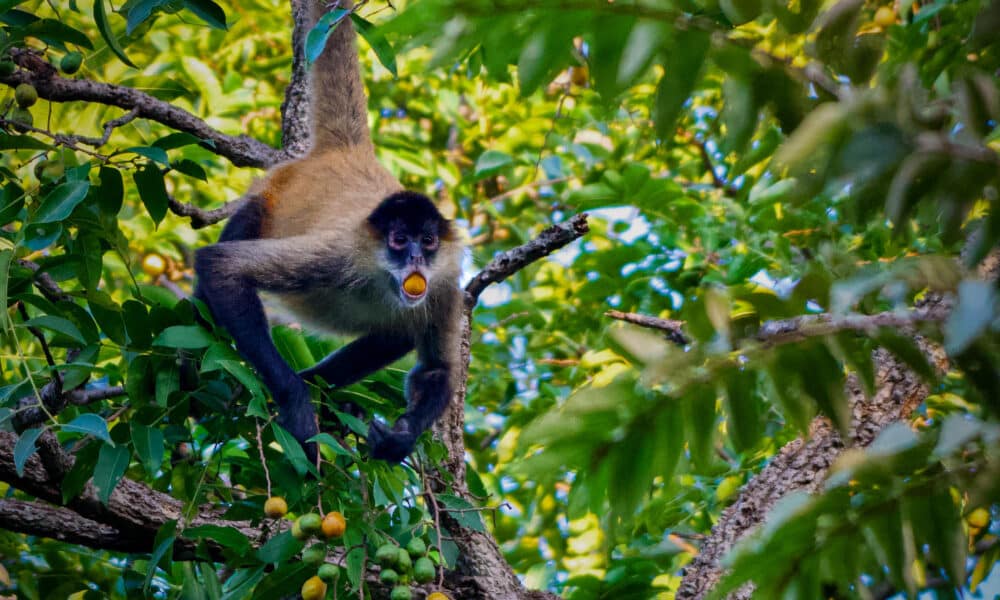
375,233
446,230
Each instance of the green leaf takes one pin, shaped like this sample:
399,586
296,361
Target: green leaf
184,336
230,537
241,583
89,424
376,39
57,324
151,152
111,192
293,450
490,163
163,543
101,19
60,202
681,73
22,142
179,139
280,548
55,33
699,418
6,257
284,581
138,12
25,447
152,190
209,12
972,316
745,422
330,442
463,512
148,443
111,464
320,33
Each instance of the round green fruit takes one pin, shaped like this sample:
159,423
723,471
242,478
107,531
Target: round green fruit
404,561
416,547
71,63
314,555
329,573
297,532
25,95
423,570
388,577
387,555
7,67
310,523
400,592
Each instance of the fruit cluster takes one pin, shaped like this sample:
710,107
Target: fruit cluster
400,566
307,526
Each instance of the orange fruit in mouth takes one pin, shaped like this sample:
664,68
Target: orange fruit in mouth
415,285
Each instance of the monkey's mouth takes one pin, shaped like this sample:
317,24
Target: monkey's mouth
414,287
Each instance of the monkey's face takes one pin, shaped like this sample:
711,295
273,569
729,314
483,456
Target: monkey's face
412,230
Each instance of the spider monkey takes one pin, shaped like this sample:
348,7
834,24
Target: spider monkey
347,250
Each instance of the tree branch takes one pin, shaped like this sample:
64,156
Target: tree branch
507,263
241,150
201,217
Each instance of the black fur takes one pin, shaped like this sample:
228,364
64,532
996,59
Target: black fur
235,304
413,212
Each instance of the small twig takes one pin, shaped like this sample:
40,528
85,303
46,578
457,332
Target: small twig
263,461
527,186
41,339
58,138
48,286
509,262
706,160
673,328
201,217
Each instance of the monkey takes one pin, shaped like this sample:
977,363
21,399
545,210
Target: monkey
347,250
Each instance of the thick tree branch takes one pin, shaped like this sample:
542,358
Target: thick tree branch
797,329
241,150
295,133
803,463
481,563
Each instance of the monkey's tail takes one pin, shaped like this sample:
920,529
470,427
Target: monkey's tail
339,108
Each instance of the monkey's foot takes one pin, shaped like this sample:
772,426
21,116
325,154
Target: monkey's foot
299,419
391,445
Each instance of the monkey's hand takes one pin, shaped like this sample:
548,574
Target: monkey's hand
297,416
392,445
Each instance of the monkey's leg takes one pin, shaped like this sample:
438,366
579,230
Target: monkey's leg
356,360
429,391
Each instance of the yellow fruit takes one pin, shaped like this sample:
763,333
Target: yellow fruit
334,524
313,589
415,284
579,75
885,17
154,266
275,507
438,596
979,518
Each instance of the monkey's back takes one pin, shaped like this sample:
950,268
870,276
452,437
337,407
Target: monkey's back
328,194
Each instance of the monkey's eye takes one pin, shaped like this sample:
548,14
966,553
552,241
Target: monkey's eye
397,241
429,242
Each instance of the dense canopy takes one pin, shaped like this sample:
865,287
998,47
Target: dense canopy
732,290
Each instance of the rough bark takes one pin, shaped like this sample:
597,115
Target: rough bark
803,463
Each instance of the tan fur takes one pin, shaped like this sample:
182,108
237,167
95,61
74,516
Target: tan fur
316,210
336,82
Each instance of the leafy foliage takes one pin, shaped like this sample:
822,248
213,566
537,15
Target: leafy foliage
744,163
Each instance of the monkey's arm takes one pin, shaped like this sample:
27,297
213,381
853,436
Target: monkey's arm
229,276
358,359
429,387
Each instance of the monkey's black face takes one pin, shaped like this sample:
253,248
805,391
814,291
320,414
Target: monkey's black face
412,229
